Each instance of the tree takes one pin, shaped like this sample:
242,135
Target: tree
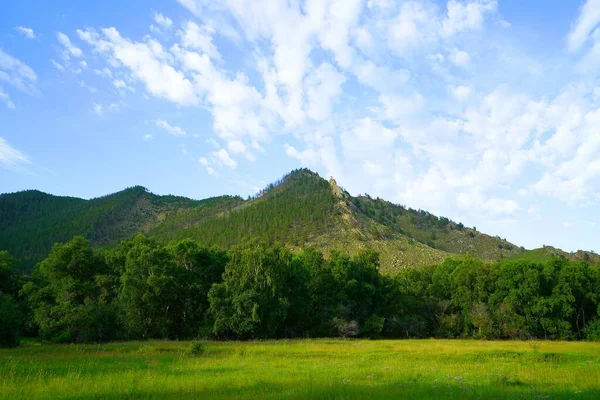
10,321
150,295
65,295
9,279
259,290
196,270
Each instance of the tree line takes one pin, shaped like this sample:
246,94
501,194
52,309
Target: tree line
142,289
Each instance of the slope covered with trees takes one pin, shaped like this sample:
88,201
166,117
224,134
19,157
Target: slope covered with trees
300,210
292,210
32,221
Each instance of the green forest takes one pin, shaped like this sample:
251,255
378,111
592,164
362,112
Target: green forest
299,210
142,289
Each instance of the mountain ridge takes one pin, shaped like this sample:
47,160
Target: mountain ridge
301,209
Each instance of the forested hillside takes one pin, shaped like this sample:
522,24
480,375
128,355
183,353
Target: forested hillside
31,221
299,210
292,210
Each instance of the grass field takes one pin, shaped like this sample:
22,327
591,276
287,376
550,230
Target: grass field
300,369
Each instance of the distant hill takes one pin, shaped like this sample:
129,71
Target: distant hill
301,209
547,252
31,221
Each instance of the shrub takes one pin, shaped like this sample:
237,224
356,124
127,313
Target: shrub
592,330
197,349
346,328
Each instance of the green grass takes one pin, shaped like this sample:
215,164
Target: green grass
300,369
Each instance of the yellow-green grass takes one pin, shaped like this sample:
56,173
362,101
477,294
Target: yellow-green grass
301,369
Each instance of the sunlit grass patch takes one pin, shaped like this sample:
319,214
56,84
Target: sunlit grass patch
300,369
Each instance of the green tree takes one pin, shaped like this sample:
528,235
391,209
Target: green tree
196,270
65,295
259,290
10,321
11,316
149,297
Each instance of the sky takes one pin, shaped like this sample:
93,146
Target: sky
484,111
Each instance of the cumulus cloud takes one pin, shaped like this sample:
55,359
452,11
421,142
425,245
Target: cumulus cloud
421,23
459,57
222,157
461,92
148,62
171,129
105,72
100,109
70,48
27,33
199,38
219,158
162,20
463,15
120,84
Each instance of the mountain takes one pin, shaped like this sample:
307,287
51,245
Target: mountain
302,209
31,221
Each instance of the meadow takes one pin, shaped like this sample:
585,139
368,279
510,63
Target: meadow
300,369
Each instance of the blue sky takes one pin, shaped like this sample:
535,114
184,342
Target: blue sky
484,111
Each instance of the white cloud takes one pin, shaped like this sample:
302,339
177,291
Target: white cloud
494,207
588,20
308,157
88,87
10,157
324,86
411,27
121,84
421,23
199,38
461,92
162,20
381,78
100,109
6,99
236,146
396,107
25,32
190,5
147,137
105,72
459,57
219,158
222,157
148,62
17,73
57,65
171,129
463,15
70,48
368,140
